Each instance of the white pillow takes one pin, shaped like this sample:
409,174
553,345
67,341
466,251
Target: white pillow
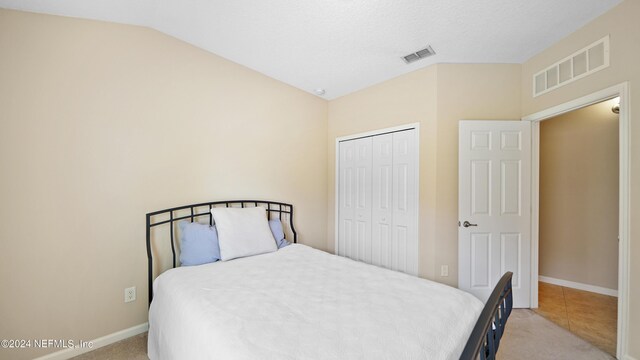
243,232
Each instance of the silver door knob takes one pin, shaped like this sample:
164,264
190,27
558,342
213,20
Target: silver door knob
467,224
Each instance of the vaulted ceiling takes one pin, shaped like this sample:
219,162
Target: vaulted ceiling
345,45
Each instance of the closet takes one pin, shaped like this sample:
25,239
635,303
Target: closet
377,199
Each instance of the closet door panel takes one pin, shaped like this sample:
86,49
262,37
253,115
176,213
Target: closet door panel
382,200
355,199
404,204
347,198
363,199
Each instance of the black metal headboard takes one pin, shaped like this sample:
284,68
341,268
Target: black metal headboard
170,216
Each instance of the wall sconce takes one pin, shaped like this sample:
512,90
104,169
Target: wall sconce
616,107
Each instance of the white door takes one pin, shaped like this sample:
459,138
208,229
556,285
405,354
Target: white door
494,207
378,200
355,199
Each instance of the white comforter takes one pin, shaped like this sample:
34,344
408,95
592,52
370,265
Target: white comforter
302,303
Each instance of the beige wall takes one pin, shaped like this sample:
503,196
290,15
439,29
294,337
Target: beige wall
465,92
622,24
437,97
102,123
579,196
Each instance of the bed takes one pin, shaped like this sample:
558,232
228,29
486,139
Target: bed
302,303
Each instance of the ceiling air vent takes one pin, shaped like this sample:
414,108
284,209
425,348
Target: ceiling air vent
420,54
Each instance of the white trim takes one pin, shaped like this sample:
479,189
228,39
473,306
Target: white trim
625,224
97,343
535,211
579,286
622,91
410,126
378,132
596,97
336,190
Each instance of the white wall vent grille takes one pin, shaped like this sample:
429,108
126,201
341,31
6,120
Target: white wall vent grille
583,62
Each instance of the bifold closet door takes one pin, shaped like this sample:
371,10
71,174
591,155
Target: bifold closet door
354,228
377,213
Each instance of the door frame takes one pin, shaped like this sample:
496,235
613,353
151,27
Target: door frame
621,90
388,130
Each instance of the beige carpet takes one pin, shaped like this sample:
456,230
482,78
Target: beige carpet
134,348
528,336
531,336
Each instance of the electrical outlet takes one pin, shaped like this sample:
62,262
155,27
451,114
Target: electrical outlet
444,270
130,294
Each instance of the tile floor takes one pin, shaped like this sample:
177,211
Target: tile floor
591,316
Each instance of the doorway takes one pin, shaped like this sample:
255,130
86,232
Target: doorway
578,222
621,91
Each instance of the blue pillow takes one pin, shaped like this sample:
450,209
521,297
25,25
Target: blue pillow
278,233
199,244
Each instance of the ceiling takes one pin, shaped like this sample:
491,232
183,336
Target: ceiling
345,45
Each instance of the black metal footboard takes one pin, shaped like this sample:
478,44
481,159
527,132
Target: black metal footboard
485,337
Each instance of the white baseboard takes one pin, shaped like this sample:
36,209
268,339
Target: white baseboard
579,286
97,343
